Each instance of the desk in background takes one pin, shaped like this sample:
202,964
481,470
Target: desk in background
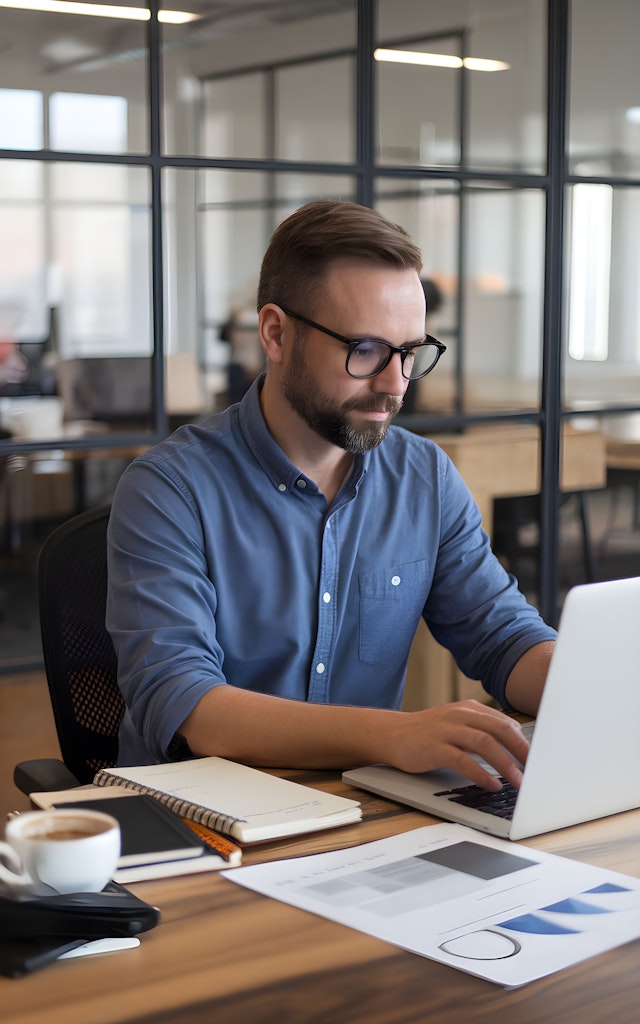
52,485
496,461
622,446
223,953
78,458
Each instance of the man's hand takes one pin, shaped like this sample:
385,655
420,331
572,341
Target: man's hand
448,736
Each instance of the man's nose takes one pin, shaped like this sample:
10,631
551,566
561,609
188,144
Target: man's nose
391,380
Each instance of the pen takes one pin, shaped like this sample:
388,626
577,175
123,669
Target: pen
219,844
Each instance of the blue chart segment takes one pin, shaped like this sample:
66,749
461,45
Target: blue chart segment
574,906
607,887
534,925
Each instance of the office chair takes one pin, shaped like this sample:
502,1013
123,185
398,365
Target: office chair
79,658
509,514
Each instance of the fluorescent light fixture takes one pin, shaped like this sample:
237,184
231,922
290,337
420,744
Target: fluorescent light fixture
176,17
98,10
436,60
440,60
485,64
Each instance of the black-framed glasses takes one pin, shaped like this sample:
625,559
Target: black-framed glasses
369,356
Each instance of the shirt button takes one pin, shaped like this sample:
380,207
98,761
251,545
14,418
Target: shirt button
301,483
326,598
320,669
395,580
282,487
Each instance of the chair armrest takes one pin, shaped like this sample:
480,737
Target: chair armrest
43,775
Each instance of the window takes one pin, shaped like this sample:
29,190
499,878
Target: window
590,270
21,119
88,123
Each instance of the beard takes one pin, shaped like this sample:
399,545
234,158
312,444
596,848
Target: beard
330,420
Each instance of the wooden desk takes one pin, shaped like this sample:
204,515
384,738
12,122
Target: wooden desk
623,468
623,453
223,953
78,459
53,485
496,461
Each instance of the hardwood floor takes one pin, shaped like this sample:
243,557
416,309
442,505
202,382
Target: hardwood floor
27,730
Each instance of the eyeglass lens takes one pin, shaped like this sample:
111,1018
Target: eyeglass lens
367,358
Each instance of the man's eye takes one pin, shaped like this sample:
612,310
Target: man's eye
367,348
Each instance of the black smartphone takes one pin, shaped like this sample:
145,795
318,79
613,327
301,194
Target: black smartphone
37,931
19,956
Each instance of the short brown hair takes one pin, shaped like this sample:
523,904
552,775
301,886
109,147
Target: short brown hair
304,245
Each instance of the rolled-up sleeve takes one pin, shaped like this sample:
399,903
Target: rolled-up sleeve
475,607
161,604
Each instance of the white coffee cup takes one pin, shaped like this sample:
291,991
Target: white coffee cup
65,850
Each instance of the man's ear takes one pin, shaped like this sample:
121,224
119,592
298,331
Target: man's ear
271,328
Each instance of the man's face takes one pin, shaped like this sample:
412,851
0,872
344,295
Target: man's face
359,300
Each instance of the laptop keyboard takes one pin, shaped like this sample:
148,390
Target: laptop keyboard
501,804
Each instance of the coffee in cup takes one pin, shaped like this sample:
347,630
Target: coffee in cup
62,850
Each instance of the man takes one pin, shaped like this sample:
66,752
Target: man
269,567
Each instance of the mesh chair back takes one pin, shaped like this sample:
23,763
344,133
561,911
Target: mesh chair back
79,658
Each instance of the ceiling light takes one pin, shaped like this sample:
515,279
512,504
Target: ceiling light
440,60
176,17
633,115
485,64
98,10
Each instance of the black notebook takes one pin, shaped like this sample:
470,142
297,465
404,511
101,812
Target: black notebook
156,842
150,832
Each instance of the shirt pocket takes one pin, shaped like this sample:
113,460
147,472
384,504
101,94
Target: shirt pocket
391,602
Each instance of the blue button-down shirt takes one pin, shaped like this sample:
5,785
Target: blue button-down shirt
227,566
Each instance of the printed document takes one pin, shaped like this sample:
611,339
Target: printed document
499,911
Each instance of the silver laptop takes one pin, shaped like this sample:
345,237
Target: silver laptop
584,760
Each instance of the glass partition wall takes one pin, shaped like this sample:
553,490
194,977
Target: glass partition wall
145,159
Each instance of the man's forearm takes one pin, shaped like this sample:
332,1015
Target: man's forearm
269,731
273,731
526,682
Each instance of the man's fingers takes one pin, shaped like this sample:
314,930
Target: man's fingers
500,744
465,763
496,727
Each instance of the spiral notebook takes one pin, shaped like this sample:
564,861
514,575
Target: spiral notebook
245,803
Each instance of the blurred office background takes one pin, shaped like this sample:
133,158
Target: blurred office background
146,157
